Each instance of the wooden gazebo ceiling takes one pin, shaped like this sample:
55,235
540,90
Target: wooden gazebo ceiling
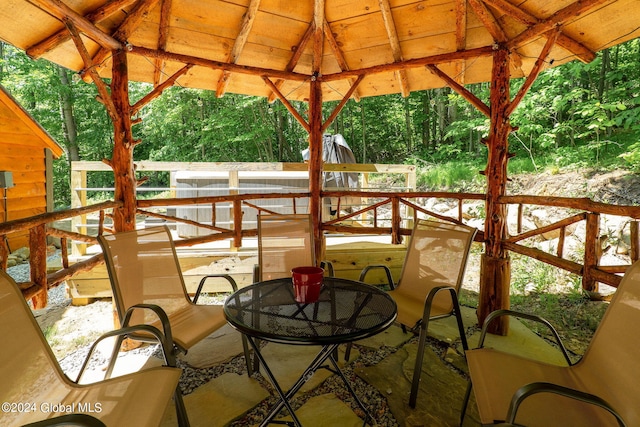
258,47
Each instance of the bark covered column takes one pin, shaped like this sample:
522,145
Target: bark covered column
495,269
315,164
124,218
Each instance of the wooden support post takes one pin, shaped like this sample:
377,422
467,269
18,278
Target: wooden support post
592,253
396,237
634,251
495,270
236,206
237,224
4,251
124,217
315,165
38,264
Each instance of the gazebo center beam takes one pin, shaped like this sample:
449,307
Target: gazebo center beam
315,133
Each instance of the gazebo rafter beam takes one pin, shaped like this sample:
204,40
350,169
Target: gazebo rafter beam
339,55
287,104
394,41
101,86
461,37
494,28
40,48
318,37
465,93
128,26
157,90
64,13
342,103
412,63
163,36
297,53
238,46
533,75
216,65
579,50
561,17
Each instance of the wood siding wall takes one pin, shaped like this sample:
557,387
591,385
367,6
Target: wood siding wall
22,153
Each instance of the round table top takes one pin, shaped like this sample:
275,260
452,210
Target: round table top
346,311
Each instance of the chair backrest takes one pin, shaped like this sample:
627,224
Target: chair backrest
28,369
436,256
144,269
610,366
284,242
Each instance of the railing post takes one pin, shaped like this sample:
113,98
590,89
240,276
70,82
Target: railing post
634,252
237,223
592,252
78,200
38,263
396,237
4,251
234,188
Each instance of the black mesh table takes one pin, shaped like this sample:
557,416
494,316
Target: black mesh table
346,311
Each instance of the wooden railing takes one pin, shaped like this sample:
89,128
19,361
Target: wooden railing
378,213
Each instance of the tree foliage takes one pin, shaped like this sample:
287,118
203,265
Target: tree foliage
576,111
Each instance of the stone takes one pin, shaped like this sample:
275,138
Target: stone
22,253
219,401
220,346
288,362
440,394
326,410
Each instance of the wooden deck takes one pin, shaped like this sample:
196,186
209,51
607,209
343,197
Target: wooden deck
349,255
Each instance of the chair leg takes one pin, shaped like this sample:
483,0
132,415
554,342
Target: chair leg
458,314
417,369
256,361
181,411
465,403
347,352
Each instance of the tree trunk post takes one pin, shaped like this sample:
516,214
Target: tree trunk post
38,263
592,253
124,218
495,270
315,165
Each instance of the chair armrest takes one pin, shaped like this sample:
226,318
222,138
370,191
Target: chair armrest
169,358
328,267
229,279
162,316
499,313
69,420
386,269
256,273
541,387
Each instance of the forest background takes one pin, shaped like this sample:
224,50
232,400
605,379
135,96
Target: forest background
577,115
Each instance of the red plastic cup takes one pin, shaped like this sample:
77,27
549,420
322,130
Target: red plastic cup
307,282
